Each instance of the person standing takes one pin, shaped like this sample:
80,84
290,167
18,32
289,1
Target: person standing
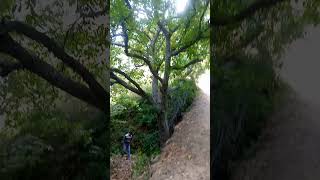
126,143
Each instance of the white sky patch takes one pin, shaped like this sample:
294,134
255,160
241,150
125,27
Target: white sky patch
141,15
119,39
180,5
207,17
204,82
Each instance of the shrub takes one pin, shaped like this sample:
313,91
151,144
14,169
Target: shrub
181,97
130,113
140,166
48,146
244,98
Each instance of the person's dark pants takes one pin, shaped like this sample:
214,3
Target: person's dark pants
127,149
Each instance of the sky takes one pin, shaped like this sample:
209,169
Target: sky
180,5
204,82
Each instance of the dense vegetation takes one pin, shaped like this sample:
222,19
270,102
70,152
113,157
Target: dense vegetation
248,39
53,90
152,45
139,116
156,55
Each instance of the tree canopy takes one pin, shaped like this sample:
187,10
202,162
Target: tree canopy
152,44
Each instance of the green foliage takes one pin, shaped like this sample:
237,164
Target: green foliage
142,162
148,143
5,7
142,29
50,134
140,117
244,98
146,115
137,116
181,97
49,146
130,113
184,90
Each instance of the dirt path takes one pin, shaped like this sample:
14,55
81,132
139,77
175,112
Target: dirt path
187,153
290,148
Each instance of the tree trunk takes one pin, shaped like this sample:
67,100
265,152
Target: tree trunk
164,124
155,92
163,117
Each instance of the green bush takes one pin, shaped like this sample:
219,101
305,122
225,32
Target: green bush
140,166
184,91
181,97
140,117
244,99
49,146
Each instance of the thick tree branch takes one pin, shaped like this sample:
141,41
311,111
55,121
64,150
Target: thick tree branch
154,40
187,45
128,4
58,51
130,80
252,9
126,45
186,65
163,29
135,55
35,65
188,23
197,38
166,74
126,85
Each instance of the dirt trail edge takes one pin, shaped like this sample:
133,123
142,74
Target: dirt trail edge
289,148
186,155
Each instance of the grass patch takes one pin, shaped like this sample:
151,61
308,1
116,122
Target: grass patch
141,167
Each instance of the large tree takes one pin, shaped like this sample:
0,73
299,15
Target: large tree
150,36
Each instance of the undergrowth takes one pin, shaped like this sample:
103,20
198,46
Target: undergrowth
245,97
140,117
48,145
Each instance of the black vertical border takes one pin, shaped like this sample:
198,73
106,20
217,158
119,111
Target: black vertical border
108,89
